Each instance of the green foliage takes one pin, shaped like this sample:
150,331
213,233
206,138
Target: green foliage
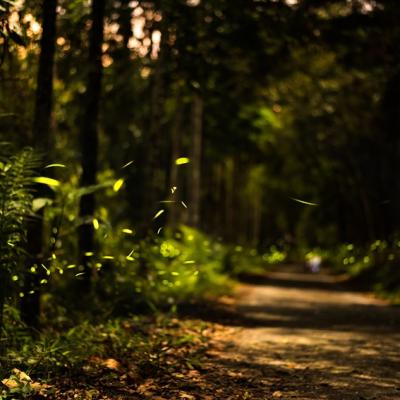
161,271
16,174
146,347
373,267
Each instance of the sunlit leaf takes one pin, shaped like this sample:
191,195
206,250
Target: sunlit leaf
129,258
40,202
184,204
46,181
80,274
108,257
159,230
173,189
182,161
307,203
89,254
118,185
71,266
158,214
128,231
189,262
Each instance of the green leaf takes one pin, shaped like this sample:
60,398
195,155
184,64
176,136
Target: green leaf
40,202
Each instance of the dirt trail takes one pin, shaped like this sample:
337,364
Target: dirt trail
303,336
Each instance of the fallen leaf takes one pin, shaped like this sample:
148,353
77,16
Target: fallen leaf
10,383
110,363
22,376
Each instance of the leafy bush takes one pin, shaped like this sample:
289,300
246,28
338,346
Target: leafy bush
375,266
135,348
16,174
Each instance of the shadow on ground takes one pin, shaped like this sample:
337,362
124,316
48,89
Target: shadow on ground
305,336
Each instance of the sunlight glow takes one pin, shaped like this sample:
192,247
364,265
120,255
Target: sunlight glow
35,27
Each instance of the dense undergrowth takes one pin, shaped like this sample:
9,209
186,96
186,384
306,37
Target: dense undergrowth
126,315
92,359
371,267
126,319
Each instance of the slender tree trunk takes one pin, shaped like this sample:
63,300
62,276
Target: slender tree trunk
391,151
256,205
121,94
154,173
41,141
173,217
229,198
196,155
89,137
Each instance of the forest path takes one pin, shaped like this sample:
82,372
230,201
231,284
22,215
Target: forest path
304,336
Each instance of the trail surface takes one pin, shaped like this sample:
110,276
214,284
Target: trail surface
303,336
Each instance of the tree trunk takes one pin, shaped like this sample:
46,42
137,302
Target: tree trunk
41,141
256,205
196,154
174,187
154,168
89,137
229,206
391,152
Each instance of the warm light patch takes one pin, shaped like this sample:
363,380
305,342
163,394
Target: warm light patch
277,108
106,61
145,72
61,41
35,27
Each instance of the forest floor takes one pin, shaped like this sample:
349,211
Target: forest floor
306,336
285,335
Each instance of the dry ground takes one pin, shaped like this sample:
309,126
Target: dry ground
304,336
288,335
